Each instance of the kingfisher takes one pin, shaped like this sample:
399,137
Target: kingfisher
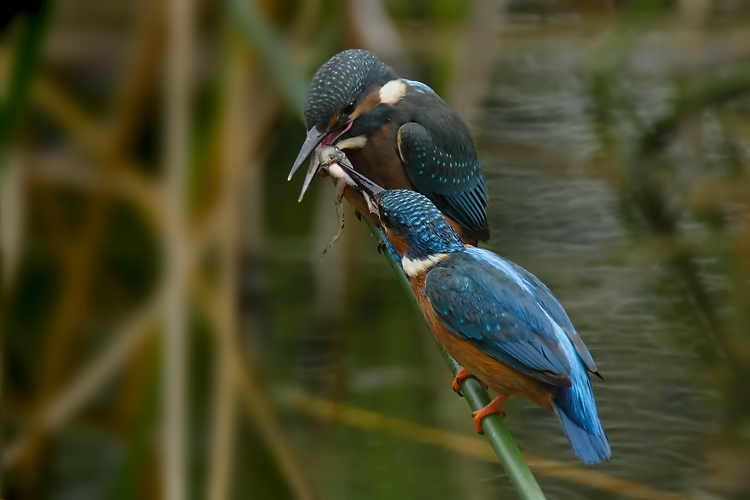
499,321
397,132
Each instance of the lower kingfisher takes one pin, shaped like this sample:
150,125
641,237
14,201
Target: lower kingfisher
500,322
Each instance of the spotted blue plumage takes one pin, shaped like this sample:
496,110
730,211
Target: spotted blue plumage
446,170
341,79
418,219
543,296
504,311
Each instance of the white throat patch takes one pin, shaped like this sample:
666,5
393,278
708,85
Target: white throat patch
416,267
392,92
352,143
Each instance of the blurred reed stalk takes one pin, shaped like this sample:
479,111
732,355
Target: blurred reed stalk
24,62
54,410
242,143
178,119
52,401
23,65
121,176
232,129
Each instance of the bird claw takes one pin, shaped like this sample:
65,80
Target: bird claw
461,375
381,246
491,408
358,215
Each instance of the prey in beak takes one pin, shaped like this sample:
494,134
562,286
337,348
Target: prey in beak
331,163
334,163
311,147
372,193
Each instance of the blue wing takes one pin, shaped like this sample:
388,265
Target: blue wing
510,315
419,87
544,298
440,158
492,310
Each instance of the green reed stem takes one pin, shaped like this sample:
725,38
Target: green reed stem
25,58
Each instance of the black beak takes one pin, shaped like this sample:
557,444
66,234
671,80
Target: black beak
365,185
314,138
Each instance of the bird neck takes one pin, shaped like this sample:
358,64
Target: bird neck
425,248
382,73
414,267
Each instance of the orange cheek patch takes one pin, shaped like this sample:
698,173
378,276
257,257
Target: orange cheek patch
399,244
333,121
369,103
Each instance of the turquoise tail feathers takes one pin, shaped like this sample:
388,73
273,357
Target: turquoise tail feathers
576,410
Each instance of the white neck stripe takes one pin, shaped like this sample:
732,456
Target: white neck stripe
357,142
416,267
392,92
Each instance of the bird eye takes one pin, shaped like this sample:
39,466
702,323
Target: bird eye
384,218
350,108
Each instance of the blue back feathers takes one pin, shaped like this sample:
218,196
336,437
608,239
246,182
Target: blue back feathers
441,160
544,298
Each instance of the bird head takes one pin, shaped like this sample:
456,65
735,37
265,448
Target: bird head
346,87
414,226
416,229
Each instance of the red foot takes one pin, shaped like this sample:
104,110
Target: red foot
488,410
462,374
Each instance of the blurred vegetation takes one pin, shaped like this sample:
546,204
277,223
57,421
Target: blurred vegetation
614,137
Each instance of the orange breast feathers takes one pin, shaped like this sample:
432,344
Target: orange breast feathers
399,244
500,377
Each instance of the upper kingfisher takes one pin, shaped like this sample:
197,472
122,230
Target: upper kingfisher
397,132
492,316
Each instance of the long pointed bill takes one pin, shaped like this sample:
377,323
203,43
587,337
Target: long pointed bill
314,137
369,189
313,140
311,171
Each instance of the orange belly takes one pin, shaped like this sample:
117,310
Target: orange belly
500,377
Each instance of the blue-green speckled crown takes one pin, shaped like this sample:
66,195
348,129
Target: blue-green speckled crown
414,217
341,80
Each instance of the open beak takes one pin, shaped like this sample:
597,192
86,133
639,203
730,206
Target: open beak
314,139
369,189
